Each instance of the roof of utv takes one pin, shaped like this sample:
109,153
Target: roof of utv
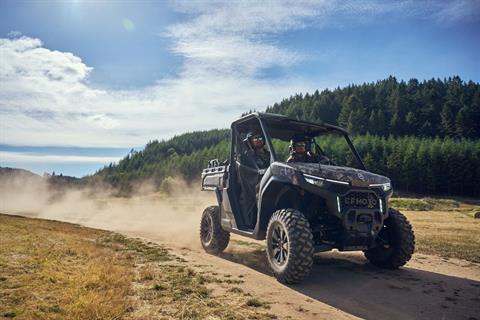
283,128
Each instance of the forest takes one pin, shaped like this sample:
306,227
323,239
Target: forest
425,136
433,108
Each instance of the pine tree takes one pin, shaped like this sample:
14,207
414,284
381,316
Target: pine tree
382,123
410,121
474,114
372,122
463,127
345,113
396,124
447,124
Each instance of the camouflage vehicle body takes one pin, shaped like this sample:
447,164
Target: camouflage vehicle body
344,208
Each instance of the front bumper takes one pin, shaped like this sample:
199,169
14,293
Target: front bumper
362,212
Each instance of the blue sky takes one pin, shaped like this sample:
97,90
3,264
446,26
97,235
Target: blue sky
83,82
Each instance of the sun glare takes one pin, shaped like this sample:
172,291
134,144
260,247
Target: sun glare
128,24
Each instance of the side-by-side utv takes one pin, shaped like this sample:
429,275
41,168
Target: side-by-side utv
301,207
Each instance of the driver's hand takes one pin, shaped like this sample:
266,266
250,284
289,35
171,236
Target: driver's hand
325,160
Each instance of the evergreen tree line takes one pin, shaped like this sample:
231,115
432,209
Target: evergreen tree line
425,136
183,155
432,108
421,165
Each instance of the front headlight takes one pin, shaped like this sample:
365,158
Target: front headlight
314,180
385,186
318,181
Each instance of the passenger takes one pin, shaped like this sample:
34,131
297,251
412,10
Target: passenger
256,156
258,153
298,150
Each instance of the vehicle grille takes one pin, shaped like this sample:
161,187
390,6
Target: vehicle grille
360,200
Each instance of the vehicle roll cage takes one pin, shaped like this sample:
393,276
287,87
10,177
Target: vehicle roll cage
279,124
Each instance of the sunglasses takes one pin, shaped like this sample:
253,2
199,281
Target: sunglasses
300,144
258,138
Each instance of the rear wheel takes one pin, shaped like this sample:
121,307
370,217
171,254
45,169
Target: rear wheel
213,238
289,246
395,242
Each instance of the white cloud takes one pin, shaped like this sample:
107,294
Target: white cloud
14,34
25,59
232,55
24,157
453,11
239,37
46,99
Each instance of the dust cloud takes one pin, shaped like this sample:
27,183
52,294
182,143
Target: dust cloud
173,218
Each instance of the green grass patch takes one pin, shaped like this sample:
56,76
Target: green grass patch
410,204
424,204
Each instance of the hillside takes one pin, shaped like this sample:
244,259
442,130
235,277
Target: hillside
183,155
433,108
12,175
381,117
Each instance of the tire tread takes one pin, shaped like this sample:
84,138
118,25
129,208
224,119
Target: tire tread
220,237
301,251
403,251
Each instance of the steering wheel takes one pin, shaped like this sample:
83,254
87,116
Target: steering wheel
325,160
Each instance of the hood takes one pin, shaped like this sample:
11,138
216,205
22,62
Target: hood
355,176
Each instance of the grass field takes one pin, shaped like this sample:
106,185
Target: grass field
443,227
434,204
449,234
53,270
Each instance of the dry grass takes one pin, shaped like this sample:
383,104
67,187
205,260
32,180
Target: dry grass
443,227
446,233
251,244
53,270
179,292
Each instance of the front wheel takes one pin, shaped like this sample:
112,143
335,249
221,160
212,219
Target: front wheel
395,242
213,238
289,246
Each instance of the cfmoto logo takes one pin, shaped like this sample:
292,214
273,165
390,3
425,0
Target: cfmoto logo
363,201
372,202
354,201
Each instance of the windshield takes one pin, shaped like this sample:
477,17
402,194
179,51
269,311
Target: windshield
298,141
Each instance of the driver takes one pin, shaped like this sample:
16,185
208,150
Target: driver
258,153
298,150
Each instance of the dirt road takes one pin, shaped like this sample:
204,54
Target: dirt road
342,286
346,286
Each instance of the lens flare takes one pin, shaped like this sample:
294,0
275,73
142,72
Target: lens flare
128,25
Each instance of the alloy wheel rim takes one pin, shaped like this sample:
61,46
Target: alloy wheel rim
207,229
279,245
